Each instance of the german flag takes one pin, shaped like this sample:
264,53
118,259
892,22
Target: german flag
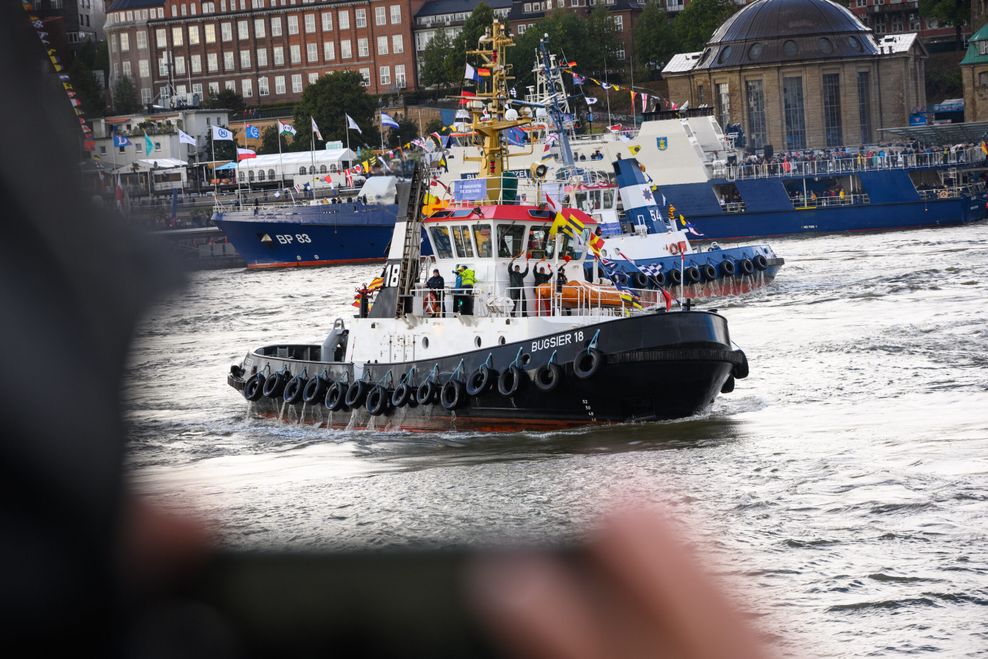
483,71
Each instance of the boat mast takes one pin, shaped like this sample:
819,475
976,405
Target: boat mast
494,153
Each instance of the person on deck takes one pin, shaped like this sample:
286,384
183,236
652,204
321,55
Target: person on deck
434,298
467,278
516,289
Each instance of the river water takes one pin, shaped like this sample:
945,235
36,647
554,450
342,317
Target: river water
842,487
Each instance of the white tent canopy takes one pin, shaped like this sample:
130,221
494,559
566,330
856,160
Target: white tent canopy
332,159
146,164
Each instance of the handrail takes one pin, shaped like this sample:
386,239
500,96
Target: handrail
846,165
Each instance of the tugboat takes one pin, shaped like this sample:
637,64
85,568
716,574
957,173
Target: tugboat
482,354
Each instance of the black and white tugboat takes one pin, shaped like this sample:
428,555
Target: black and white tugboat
484,354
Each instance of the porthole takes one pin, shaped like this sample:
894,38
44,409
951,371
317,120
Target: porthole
425,342
725,53
789,48
755,51
501,341
826,47
855,43
476,341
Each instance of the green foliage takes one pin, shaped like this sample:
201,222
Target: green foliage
477,23
407,131
439,64
434,126
699,20
587,40
86,72
125,98
227,99
656,39
956,12
327,100
269,141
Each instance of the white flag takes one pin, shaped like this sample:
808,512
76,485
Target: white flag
315,129
590,100
185,138
351,124
220,133
286,129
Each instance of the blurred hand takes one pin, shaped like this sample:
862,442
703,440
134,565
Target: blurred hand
638,594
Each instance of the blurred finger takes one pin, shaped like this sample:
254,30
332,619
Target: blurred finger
537,608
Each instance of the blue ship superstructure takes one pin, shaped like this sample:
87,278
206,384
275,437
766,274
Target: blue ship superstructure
727,194
651,250
317,233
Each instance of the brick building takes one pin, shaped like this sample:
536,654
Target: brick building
886,17
526,13
265,50
802,74
82,19
449,15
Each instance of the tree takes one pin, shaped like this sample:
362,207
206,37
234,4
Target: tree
269,141
86,74
955,12
439,68
222,149
655,39
125,98
326,101
227,99
434,126
478,22
407,131
701,18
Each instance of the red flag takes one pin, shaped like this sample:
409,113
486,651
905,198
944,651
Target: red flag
483,72
466,96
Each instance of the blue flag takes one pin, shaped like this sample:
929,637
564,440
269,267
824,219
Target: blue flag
120,140
253,132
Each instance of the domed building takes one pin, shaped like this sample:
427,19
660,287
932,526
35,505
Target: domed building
800,74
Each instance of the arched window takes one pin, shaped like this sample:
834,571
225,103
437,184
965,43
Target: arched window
301,170
271,174
260,175
333,168
312,169
240,175
322,169
250,175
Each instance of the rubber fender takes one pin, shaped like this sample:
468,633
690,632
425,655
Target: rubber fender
481,380
401,395
453,395
760,261
294,389
274,386
740,370
336,396
511,381
587,363
377,400
426,393
356,393
254,387
315,390
548,377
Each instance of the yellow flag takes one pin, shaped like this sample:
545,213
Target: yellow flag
557,224
634,148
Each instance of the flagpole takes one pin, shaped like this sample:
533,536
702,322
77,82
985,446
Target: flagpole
281,162
634,120
212,151
312,156
380,122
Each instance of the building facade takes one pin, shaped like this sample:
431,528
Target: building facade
886,17
798,74
449,15
82,19
526,13
974,75
267,51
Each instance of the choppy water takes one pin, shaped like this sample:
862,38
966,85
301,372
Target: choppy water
843,486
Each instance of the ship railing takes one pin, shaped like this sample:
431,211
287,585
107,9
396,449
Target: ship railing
856,199
526,191
948,192
532,301
847,165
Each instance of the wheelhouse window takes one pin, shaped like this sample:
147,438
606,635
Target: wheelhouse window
538,242
440,242
482,236
461,238
571,247
509,240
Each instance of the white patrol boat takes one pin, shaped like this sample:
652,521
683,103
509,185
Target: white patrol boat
555,351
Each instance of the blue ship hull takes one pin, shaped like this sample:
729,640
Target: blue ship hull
329,234
769,211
